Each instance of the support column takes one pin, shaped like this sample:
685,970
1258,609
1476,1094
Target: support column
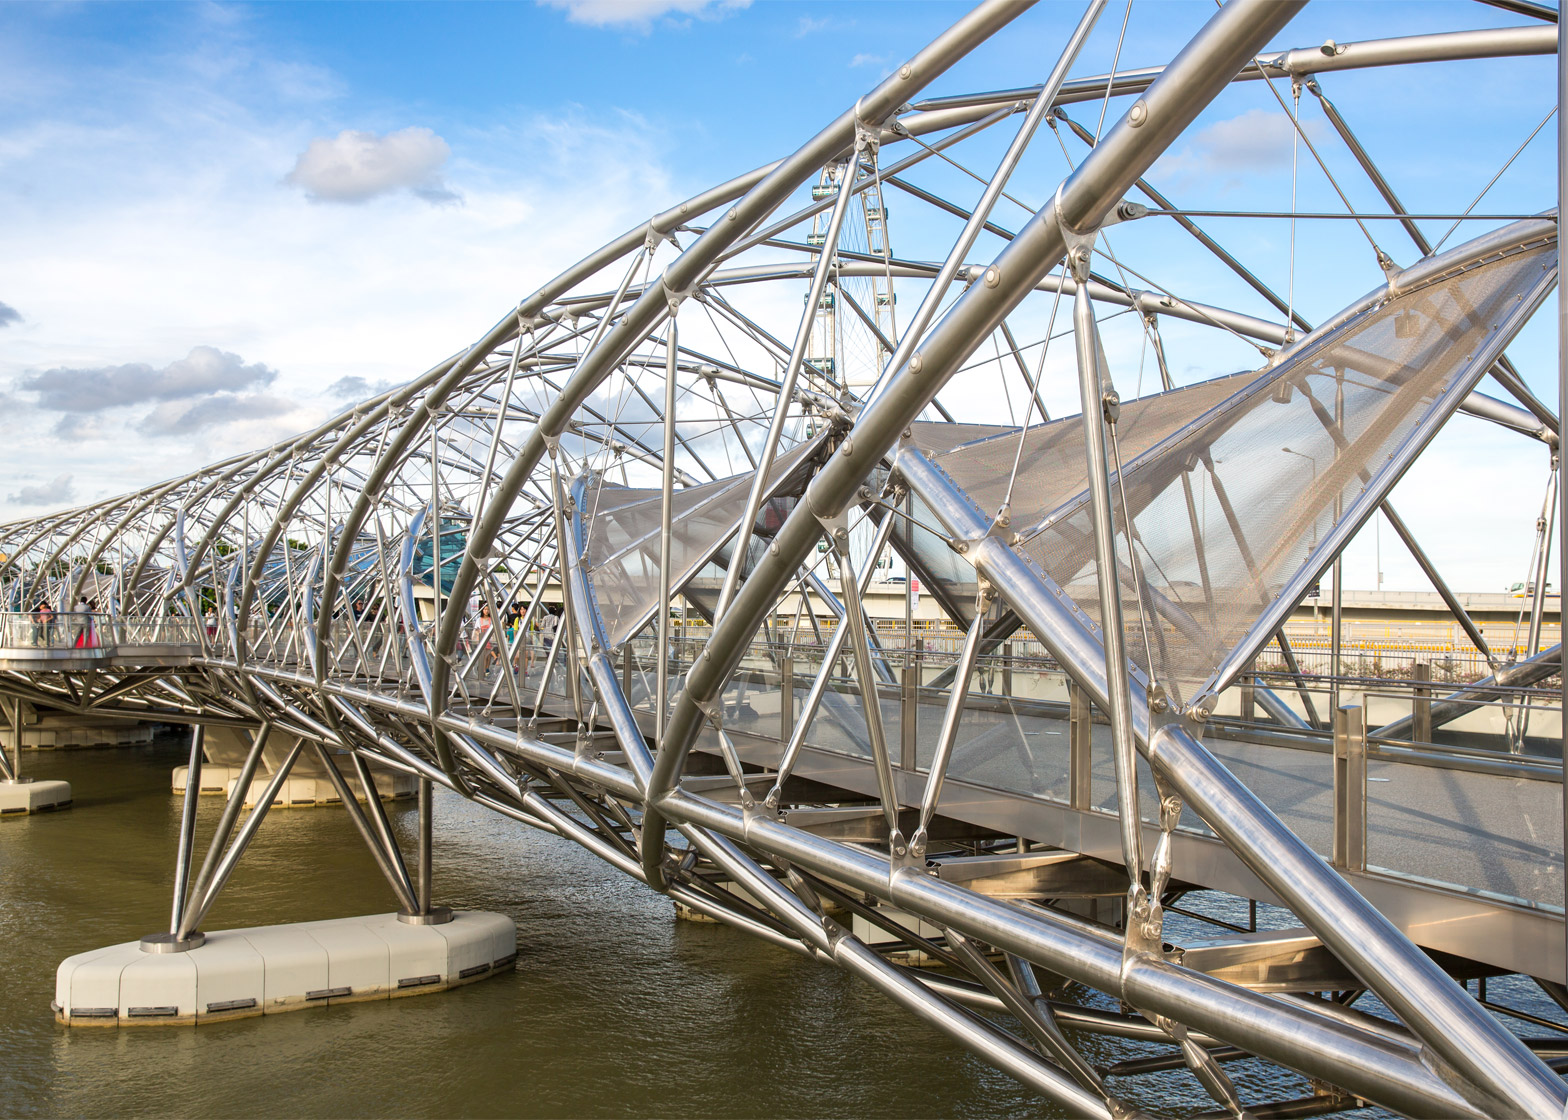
1249,680
171,941
396,878
426,830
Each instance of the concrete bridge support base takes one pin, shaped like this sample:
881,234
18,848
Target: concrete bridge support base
267,970
19,798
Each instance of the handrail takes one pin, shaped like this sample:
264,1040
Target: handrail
93,632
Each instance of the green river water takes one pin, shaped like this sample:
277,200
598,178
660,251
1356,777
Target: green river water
615,1008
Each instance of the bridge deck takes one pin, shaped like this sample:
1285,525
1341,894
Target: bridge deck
1465,861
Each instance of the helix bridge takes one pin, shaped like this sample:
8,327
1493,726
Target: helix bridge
604,571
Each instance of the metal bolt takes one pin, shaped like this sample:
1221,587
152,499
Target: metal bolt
917,362
905,71
992,277
1138,113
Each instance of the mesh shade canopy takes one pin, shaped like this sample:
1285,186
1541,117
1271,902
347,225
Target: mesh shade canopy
621,540
1232,483
980,457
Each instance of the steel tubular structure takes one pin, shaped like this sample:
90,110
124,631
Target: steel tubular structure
584,572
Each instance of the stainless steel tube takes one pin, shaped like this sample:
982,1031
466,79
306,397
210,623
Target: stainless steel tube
1203,68
661,701
1092,391
220,876
187,840
231,810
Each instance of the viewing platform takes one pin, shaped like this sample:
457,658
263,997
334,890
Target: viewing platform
72,641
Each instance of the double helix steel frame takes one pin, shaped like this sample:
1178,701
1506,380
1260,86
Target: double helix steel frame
354,581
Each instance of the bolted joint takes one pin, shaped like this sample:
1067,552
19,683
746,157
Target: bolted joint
1078,263
1111,406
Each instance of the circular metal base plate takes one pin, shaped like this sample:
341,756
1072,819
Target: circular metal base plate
166,942
16,781
438,916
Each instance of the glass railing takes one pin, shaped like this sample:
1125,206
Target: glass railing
94,630
56,630
156,630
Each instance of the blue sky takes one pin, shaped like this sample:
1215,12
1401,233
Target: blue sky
179,256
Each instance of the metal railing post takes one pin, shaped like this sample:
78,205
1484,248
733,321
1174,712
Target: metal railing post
1421,702
1080,758
909,714
786,697
1350,787
1249,698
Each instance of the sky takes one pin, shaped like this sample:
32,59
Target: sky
222,223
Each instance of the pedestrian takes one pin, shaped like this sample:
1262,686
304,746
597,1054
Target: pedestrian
83,621
482,633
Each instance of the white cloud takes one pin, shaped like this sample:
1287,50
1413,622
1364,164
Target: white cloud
78,427
152,218
55,492
174,418
863,59
204,370
639,15
1228,151
357,166
355,389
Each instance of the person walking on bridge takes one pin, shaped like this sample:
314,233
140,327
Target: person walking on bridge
84,637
